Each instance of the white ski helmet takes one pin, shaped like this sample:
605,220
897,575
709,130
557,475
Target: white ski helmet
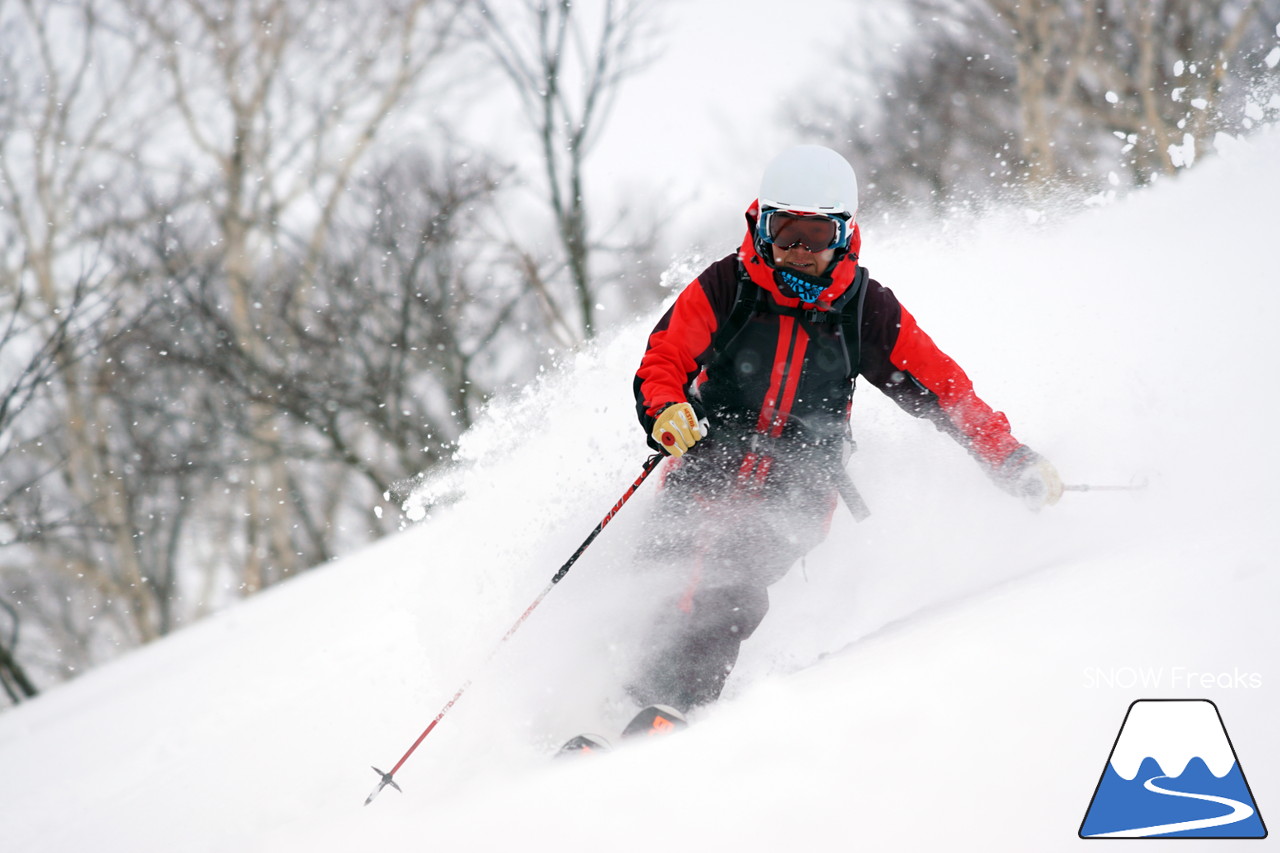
810,179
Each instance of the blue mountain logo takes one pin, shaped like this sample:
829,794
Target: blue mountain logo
1173,773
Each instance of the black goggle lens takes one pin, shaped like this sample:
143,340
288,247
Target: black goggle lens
814,233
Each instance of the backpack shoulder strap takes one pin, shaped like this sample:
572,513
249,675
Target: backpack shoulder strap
749,301
851,323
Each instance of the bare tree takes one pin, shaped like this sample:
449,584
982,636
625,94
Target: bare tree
376,376
932,129
123,456
566,79
1172,74
1027,95
281,100
13,676
68,127
1051,42
239,314
29,360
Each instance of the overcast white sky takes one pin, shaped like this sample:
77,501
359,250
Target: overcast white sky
690,133
697,126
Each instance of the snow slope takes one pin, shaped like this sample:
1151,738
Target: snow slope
950,674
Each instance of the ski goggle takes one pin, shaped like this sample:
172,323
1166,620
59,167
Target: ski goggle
815,233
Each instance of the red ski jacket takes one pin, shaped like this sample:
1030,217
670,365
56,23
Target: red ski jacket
790,369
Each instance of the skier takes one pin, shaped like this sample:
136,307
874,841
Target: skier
748,381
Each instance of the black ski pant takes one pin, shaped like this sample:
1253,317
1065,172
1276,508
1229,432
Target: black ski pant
719,535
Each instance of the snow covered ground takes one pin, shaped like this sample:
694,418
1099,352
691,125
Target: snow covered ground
950,674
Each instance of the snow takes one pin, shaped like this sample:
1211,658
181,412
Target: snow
941,676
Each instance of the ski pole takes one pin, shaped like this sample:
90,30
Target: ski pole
388,778
1138,484
1088,487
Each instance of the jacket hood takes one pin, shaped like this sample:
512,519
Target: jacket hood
842,274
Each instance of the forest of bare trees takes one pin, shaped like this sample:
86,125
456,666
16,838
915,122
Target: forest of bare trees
254,281
249,286
1010,100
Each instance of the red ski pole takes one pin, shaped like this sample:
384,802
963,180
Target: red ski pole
388,777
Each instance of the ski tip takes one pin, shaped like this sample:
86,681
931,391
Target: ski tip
584,744
655,720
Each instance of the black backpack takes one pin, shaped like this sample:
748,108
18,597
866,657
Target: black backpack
751,300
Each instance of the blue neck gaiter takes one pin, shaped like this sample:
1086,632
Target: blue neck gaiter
804,286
